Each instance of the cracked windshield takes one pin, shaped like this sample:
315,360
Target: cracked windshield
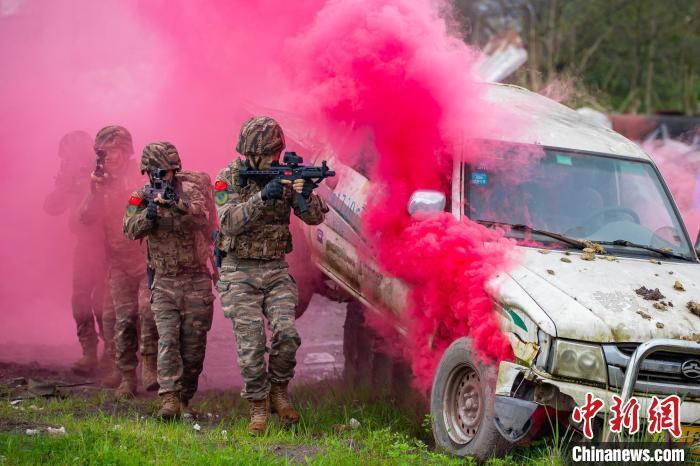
578,195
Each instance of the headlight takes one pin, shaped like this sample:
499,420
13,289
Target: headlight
579,361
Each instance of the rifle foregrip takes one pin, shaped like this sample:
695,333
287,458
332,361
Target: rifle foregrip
301,202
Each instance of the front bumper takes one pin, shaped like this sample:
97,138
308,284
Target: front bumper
510,376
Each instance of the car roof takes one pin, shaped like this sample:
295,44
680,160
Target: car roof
540,120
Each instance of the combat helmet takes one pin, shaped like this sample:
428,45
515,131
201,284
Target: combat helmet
76,146
260,136
160,155
114,136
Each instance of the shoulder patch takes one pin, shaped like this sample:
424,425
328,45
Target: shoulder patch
135,201
220,185
221,197
131,210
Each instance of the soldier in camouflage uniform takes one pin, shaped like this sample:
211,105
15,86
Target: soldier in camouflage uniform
72,185
178,228
126,262
255,283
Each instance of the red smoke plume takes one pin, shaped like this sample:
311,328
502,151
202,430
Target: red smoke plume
391,69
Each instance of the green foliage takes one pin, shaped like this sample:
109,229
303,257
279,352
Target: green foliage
619,55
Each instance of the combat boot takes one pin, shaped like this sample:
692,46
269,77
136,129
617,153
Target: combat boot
87,364
186,410
259,414
106,362
113,379
149,376
279,401
169,406
127,388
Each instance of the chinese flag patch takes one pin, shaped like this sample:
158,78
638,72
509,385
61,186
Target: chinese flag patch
135,200
220,185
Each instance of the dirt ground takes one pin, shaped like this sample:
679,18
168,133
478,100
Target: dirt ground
320,355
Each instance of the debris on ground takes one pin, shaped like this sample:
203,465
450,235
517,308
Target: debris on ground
353,424
610,258
588,254
594,247
543,251
32,431
649,294
678,286
57,431
550,271
659,325
566,259
21,389
660,306
693,307
692,337
654,261
17,382
644,314
197,427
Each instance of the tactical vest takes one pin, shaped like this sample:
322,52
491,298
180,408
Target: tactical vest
268,236
174,247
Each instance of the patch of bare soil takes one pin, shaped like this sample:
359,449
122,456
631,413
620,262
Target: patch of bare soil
18,425
27,381
33,370
296,454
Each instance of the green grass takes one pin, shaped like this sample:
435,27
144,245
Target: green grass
98,431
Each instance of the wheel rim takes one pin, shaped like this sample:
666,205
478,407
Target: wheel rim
463,404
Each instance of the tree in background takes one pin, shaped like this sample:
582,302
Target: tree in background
616,55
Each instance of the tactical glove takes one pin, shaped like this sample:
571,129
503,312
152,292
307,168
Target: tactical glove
151,211
308,188
272,190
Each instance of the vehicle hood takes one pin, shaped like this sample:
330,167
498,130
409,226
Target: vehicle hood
596,300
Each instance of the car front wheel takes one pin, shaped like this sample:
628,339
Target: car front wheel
462,405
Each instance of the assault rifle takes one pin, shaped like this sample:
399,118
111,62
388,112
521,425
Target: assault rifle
159,186
291,170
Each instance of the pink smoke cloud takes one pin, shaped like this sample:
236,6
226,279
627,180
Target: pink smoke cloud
191,72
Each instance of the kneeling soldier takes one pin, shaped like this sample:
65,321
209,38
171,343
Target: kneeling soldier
255,281
176,214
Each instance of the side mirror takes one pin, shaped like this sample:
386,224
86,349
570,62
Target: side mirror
426,203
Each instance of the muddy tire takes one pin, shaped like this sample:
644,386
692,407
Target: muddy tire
462,405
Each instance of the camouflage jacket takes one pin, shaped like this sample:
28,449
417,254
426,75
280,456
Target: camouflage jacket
71,187
106,208
179,240
252,228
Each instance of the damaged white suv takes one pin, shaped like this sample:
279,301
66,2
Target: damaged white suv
602,301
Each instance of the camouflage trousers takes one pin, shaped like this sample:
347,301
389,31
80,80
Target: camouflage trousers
88,297
133,319
250,291
183,310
